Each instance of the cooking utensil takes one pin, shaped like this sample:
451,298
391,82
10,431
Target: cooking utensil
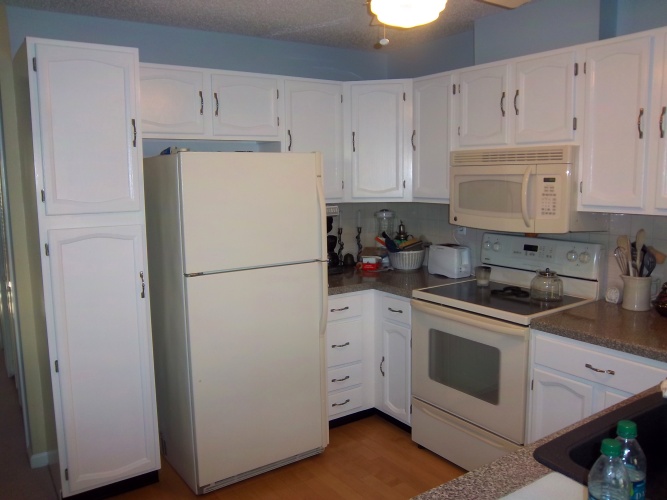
621,260
639,244
649,262
624,242
546,286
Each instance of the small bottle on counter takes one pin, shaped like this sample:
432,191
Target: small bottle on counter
632,457
608,479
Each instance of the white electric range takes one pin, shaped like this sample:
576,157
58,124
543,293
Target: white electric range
470,345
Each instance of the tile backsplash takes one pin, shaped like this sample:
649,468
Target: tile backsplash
430,222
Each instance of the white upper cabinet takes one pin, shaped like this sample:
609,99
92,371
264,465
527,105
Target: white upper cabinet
482,106
314,122
528,100
379,139
193,103
88,125
246,107
617,126
431,105
174,102
543,104
658,154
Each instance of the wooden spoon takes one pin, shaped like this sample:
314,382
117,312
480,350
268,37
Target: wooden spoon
624,243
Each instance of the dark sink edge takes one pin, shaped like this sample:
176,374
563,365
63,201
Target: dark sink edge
556,453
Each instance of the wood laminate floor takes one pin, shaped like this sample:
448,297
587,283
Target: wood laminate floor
367,459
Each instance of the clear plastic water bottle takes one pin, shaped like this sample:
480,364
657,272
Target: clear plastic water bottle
632,457
608,478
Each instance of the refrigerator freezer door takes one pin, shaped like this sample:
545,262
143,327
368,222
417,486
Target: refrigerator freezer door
237,213
256,367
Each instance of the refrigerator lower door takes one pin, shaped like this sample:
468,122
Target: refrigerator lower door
256,367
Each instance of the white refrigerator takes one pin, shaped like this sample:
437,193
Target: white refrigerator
238,273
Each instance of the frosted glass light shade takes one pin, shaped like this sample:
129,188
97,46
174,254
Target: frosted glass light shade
407,13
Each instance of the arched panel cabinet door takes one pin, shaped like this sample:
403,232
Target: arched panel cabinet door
101,356
88,128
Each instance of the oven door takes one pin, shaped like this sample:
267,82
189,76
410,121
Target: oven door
471,366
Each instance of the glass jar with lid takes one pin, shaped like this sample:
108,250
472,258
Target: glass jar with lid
546,286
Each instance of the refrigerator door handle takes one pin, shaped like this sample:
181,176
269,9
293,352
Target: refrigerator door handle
323,211
325,300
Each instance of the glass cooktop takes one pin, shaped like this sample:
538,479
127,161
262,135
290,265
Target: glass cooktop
498,300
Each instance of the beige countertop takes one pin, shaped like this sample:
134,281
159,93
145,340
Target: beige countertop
600,323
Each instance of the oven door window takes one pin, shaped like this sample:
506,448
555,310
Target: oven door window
465,365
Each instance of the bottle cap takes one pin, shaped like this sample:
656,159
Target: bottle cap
626,429
611,447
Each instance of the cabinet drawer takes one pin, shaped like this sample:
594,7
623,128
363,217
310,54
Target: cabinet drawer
344,342
346,376
395,309
345,400
344,307
590,363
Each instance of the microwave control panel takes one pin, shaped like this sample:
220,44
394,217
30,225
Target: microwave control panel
549,195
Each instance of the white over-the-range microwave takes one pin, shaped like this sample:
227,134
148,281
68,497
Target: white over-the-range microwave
523,190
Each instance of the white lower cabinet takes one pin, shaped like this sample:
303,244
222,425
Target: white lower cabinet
349,344
572,380
393,370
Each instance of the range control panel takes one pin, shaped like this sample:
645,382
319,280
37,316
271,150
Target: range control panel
567,258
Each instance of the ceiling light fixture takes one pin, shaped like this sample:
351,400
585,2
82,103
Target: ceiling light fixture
407,13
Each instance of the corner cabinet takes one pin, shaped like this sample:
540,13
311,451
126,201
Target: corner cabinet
572,380
431,103
83,157
379,140
314,122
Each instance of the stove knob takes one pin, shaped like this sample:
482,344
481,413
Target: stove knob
584,257
497,247
572,256
487,245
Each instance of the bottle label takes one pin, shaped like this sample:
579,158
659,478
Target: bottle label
638,490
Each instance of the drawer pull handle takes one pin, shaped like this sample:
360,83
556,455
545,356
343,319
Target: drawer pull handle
341,404
598,370
340,379
333,346
400,311
339,310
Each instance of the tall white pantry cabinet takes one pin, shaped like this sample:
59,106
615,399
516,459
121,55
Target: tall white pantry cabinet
82,165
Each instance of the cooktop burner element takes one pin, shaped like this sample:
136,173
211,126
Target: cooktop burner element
511,291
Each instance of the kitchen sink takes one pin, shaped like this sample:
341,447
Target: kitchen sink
574,453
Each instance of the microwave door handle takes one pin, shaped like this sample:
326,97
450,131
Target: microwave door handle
524,196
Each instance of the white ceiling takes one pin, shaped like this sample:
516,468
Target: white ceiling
335,23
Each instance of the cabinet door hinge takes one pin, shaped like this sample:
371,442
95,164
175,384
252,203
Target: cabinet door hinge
34,64
46,249
66,474
576,69
55,365
574,123
43,196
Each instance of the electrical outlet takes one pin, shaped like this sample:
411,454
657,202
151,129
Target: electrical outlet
461,230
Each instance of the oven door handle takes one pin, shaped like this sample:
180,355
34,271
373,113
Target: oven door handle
524,195
469,318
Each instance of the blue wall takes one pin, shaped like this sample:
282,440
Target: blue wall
538,26
445,54
640,15
186,47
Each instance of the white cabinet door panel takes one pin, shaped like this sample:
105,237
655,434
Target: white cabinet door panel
173,102
395,371
89,129
102,337
616,121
